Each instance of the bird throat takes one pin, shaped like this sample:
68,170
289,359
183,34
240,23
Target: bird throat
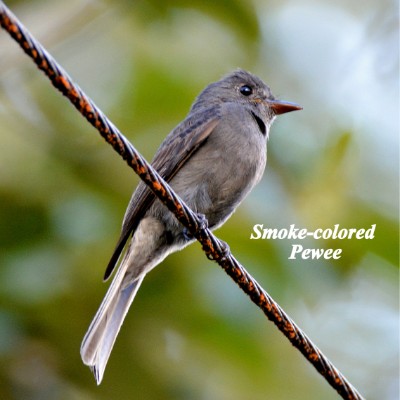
260,123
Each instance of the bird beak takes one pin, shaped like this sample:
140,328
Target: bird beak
281,107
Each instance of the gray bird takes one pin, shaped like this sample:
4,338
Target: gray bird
212,160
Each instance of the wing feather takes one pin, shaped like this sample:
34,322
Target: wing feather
173,153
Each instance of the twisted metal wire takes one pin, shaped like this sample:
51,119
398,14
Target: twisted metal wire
214,248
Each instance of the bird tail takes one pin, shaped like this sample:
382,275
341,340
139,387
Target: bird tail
100,337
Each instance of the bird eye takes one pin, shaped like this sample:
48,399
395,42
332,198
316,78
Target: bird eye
246,90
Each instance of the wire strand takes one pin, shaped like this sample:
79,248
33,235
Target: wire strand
214,248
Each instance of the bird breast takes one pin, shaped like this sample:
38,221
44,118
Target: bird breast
225,168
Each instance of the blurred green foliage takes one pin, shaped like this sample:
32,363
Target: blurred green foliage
191,334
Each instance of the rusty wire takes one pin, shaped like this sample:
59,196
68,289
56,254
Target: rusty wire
214,248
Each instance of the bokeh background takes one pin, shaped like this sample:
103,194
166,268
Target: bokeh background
191,333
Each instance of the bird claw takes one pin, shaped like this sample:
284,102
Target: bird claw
186,234
203,224
225,251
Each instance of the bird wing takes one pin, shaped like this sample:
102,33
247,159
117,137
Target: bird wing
177,148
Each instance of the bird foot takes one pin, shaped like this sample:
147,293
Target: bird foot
203,224
225,251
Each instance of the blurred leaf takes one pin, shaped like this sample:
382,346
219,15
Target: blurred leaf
22,222
240,15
